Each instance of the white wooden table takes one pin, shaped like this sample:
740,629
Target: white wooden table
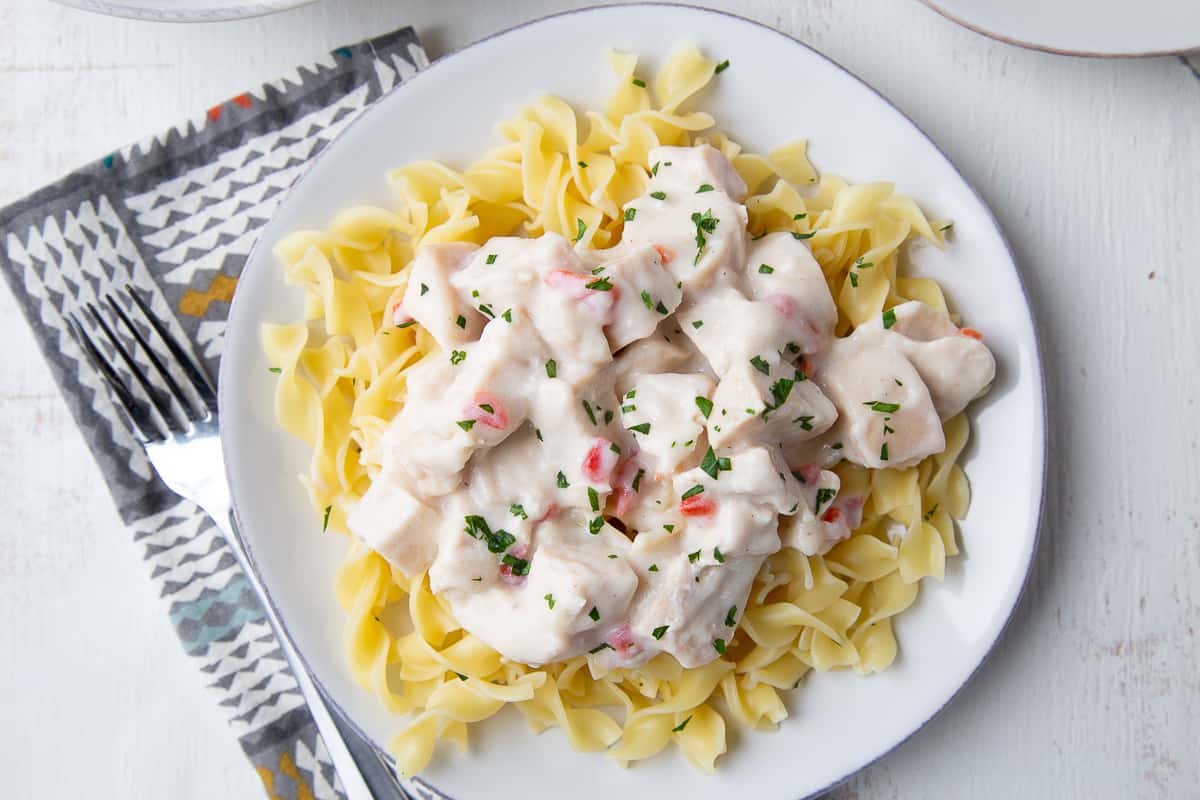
1093,168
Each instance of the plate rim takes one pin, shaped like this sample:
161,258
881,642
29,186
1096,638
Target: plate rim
140,10
936,5
1040,449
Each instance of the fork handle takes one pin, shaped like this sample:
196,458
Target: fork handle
364,773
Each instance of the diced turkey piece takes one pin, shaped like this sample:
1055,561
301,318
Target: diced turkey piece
728,328
644,293
516,475
577,444
467,563
886,417
396,525
955,368
486,400
546,278
781,272
697,226
573,597
690,167
653,505
783,407
663,414
656,353
824,518
431,299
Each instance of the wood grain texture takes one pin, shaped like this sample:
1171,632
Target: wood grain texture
1091,167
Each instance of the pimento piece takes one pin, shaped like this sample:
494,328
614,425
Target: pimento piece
971,333
621,639
665,253
831,515
697,506
506,571
487,410
600,461
627,472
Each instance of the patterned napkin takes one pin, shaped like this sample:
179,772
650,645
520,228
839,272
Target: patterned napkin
176,216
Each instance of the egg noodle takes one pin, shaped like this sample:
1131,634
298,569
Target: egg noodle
342,379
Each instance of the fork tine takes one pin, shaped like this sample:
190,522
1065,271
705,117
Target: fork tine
195,374
176,392
161,404
137,414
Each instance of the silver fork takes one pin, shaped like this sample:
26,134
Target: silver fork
180,435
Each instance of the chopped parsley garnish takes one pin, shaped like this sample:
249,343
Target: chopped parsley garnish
705,405
587,407
692,492
800,216
659,195
612,555
889,319
408,324
860,265
718,555
654,169
854,279
642,428
520,566
805,422
325,522
497,541
582,164
487,407
669,528
538,433
593,498
638,82
709,464
507,315
594,614
694,557
552,369
600,285
808,235
424,290
630,213
719,646
883,454
461,677
628,408
929,514
549,598
466,424
276,370
698,324
658,632
761,365
595,525
562,480
897,380
485,308
724,65
632,393
491,259
731,617
765,269
678,728
652,568
647,300
637,480
836,446
458,356
601,646
580,229
704,187
518,510
461,322
660,308
881,407
780,390
705,224
946,227
823,497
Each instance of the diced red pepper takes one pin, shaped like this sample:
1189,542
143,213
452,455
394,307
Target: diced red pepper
831,515
506,573
971,333
600,461
496,418
665,253
622,640
697,506
626,473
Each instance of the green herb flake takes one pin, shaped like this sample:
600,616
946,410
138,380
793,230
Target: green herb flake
705,405
628,409
518,510
458,356
719,646
718,555
647,300
724,65
698,324
946,227
704,187
805,422
466,424
519,566
692,492
652,568
549,598
883,453
762,366
678,728
803,236
638,82
823,497
724,464
600,285
552,369
881,407
659,195
485,308
642,428
580,229
630,213
660,308
889,318
408,324
538,433
325,522
582,164
709,464
654,169
929,514
694,557
637,480
461,322
800,216
593,498
491,259
461,677
854,279
669,528
601,646
424,290
594,614
705,224
731,617
587,407
507,315
276,370
595,525
765,269
562,480
608,416
658,632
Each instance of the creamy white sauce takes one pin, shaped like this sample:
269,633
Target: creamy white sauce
602,457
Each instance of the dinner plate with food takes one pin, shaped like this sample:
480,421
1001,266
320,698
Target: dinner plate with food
635,400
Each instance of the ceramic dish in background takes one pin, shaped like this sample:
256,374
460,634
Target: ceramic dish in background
839,722
184,10
1110,28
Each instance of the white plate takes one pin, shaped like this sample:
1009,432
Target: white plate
839,722
184,10
1083,27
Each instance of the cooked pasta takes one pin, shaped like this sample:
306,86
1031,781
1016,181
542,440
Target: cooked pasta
342,379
